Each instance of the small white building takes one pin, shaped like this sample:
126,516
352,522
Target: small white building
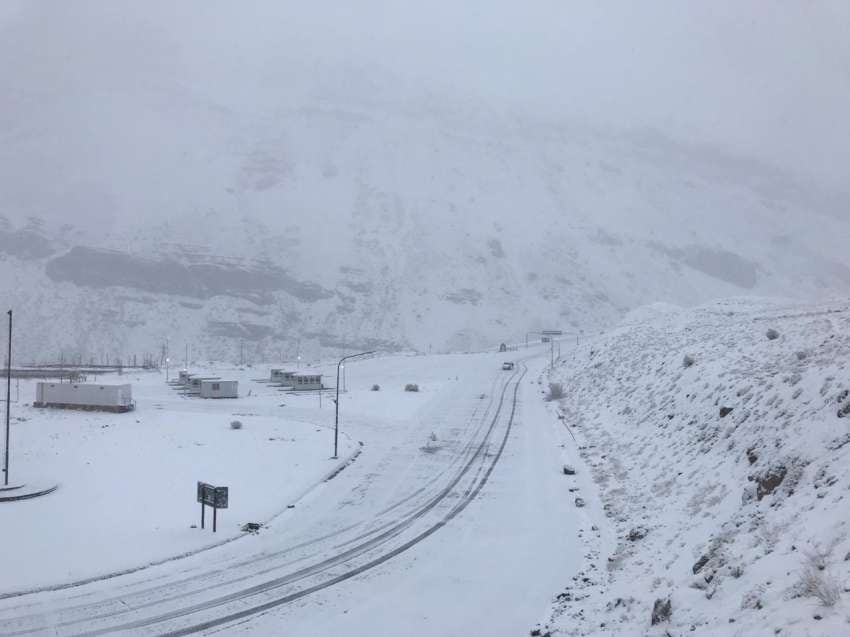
306,382
219,388
281,376
194,382
117,398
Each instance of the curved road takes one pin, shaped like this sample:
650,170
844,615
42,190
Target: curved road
356,531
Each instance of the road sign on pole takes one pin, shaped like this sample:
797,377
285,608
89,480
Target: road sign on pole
216,497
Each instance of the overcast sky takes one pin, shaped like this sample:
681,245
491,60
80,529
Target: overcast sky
764,78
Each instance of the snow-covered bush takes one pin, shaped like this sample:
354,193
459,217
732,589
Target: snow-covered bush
376,387
236,424
820,585
689,360
556,391
411,387
772,334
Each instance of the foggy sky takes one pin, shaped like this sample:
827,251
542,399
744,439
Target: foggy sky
767,79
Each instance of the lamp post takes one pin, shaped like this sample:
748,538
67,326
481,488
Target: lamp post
336,417
8,402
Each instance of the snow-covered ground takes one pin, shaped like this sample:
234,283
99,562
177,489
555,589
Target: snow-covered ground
127,481
451,516
718,441
706,466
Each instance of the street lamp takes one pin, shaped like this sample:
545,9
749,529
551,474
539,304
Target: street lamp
8,402
336,417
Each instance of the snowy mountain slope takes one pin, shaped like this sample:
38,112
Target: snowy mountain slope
718,440
163,181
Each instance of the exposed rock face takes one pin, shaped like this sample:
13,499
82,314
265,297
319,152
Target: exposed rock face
662,611
769,480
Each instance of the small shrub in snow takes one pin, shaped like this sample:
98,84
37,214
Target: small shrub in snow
772,334
688,361
556,392
818,584
411,387
376,387
569,470
817,558
236,424
753,600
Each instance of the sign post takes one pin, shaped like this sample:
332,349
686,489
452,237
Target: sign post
551,333
216,497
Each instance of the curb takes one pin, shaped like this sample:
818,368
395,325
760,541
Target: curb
26,495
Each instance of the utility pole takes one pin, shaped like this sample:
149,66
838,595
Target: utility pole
336,417
8,403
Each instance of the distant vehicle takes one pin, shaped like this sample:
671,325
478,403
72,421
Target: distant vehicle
507,366
545,339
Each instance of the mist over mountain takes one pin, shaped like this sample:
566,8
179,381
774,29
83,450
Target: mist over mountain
396,178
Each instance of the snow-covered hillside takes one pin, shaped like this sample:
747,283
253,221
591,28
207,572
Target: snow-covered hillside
718,441
163,177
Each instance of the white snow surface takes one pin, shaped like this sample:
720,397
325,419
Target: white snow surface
127,481
768,554
452,515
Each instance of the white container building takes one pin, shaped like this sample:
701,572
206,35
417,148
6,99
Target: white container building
117,398
281,376
219,389
306,382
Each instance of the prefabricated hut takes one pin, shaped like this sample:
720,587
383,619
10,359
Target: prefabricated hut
117,398
304,382
281,376
219,389
193,385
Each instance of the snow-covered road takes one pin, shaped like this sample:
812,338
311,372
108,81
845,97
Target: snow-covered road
454,519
